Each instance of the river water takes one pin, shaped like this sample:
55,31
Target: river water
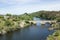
33,32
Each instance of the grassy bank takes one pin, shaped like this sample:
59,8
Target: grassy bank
10,22
56,34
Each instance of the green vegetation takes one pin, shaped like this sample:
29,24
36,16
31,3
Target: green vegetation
50,15
10,22
54,36
56,25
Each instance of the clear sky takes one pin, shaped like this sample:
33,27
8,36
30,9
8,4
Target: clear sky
22,6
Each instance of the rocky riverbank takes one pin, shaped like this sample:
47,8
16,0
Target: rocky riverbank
55,26
56,34
16,26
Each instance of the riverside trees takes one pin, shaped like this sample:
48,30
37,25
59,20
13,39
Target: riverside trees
10,22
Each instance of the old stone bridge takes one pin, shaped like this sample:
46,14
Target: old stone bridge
43,21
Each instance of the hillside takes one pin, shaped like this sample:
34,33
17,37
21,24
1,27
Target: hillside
51,15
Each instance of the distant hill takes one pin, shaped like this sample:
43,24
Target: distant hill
51,15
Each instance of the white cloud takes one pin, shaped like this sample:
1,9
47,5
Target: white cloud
17,1
19,9
30,8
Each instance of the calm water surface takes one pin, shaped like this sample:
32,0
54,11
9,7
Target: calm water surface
34,32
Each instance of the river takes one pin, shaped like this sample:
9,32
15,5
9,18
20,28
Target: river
33,32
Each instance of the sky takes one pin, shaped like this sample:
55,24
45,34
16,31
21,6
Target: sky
28,6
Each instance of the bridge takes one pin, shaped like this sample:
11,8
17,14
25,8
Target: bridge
43,21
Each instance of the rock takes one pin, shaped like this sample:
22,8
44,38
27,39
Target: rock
0,32
50,28
22,24
3,32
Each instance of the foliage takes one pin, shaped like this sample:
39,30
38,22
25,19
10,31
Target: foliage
54,36
10,22
51,15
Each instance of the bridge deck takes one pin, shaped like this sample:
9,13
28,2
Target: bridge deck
44,21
